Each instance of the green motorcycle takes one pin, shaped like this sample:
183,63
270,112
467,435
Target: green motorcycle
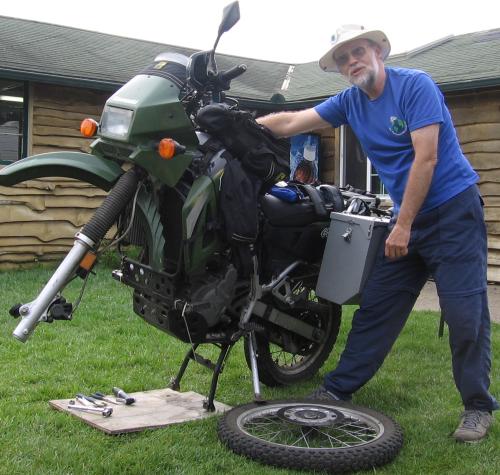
165,174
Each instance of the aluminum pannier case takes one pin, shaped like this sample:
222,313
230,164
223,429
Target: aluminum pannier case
350,252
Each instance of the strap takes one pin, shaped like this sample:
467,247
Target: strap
315,197
441,326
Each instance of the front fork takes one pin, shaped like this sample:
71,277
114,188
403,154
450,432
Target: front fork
88,238
32,313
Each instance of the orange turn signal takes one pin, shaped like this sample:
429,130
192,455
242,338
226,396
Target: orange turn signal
88,127
166,148
88,261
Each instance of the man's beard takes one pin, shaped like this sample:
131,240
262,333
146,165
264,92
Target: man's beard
366,80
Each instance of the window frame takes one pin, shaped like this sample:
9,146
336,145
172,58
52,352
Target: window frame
24,119
369,168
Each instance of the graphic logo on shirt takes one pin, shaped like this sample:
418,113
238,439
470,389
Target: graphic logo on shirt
398,126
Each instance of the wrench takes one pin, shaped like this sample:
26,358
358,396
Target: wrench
104,411
82,398
97,395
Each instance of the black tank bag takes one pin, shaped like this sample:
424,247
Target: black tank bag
261,160
260,153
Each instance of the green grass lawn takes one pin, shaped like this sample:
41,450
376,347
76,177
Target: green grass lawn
108,345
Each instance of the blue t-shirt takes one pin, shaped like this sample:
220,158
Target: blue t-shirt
410,100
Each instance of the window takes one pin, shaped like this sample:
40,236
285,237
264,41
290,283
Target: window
12,143
355,168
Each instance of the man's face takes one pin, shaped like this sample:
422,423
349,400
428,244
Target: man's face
359,61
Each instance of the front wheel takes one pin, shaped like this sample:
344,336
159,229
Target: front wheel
312,435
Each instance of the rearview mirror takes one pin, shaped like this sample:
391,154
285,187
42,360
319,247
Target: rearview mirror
230,16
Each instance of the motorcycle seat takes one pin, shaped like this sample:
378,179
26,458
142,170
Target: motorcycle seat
316,206
283,213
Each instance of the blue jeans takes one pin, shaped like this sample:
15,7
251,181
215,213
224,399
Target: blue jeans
449,243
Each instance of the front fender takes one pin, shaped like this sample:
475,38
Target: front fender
81,166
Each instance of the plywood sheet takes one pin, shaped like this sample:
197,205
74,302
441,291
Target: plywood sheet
152,409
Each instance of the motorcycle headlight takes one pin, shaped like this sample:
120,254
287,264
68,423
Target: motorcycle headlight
115,122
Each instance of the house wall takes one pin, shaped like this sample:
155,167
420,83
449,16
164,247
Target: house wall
39,218
477,120
57,115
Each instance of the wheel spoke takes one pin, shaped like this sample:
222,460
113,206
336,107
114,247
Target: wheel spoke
305,436
264,436
360,428
353,435
286,360
331,437
300,438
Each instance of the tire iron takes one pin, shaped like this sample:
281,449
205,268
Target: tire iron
103,411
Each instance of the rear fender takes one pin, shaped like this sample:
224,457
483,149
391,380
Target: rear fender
80,166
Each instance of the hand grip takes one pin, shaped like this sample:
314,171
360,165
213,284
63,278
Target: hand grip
234,72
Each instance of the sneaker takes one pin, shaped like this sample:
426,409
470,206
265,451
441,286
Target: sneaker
473,427
322,394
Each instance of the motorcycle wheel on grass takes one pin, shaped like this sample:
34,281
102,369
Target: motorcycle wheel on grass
312,435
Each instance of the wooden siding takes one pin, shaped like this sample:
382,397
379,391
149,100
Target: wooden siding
328,156
57,114
477,120
39,218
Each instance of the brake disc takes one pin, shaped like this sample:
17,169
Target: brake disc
311,415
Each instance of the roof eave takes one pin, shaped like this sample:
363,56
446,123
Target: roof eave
22,75
468,85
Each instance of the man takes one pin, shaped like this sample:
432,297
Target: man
400,118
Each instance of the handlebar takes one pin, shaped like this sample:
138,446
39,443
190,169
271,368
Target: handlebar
225,77
233,73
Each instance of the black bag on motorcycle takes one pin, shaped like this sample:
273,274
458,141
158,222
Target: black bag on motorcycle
239,198
261,154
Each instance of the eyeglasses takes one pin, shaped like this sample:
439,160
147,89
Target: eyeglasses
356,53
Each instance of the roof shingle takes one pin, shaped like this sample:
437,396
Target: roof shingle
53,53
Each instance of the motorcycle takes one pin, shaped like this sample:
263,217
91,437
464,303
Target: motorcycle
165,174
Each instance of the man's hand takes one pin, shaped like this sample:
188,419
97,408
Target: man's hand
396,244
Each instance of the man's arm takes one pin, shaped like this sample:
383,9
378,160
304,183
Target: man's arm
286,124
425,142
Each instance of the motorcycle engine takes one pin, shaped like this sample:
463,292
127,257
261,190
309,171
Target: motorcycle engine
212,295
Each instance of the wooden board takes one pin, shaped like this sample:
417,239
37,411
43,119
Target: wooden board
152,409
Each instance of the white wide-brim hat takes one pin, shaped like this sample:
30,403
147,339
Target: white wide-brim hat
348,33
